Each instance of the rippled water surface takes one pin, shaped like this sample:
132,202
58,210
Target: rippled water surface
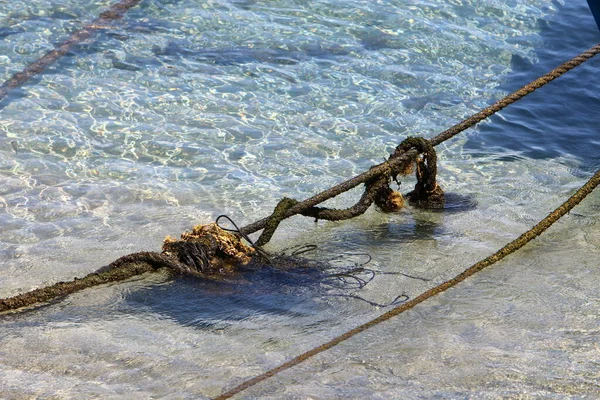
185,110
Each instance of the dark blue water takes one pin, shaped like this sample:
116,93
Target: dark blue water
561,118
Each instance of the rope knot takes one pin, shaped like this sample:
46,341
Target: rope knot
427,193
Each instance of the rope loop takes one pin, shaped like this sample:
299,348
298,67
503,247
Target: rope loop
427,193
427,166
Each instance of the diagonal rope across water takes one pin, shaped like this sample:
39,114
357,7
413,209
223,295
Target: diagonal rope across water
401,158
148,258
381,168
115,11
497,256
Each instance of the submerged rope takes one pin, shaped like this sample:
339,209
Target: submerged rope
397,160
115,11
511,247
124,268
401,158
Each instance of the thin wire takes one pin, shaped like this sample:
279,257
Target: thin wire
237,230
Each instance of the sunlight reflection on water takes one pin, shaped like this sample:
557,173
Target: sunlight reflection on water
185,111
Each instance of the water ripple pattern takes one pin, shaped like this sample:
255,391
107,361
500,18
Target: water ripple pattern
184,110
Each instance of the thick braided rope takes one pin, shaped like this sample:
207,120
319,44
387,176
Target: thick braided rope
401,158
499,255
124,268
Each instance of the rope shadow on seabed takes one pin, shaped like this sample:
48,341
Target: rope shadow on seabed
211,252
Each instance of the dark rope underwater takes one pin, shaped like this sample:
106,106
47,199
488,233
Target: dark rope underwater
402,158
407,305
115,11
153,260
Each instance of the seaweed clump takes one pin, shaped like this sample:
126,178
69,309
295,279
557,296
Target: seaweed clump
209,249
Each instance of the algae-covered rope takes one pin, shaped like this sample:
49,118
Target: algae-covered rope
124,268
403,158
329,214
115,11
497,256
396,160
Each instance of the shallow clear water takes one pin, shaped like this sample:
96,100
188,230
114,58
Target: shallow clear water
186,110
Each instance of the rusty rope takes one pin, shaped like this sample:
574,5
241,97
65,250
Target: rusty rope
115,11
402,158
511,247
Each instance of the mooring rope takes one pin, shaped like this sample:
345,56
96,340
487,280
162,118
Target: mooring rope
115,11
511,247
139,263
381,171
401,158
124,268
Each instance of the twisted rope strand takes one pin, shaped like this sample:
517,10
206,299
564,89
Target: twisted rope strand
402,159
116,11
124,268
497,256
